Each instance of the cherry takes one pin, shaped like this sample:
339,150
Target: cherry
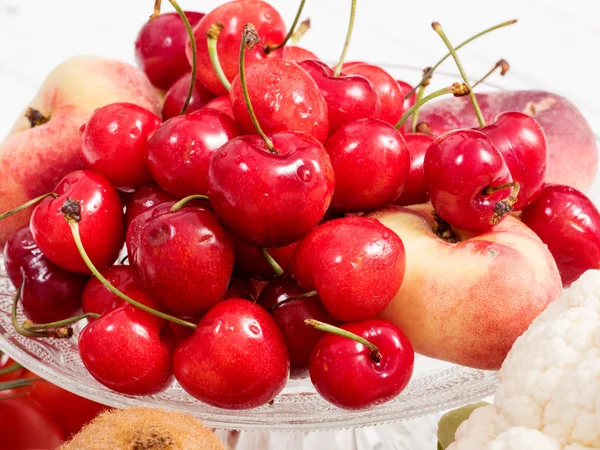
250,262
290,314
114,143
129,350
185,260
468,180
387,88
177,95
233,15
102,230
143,199
352,375
284,98
222,104
49,293
236,359
522,143
371,165
415,190
160,48
411,99
179,152
297,54
134,231
356,264
569,224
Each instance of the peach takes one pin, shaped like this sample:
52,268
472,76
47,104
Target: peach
34,158
572,148
467,302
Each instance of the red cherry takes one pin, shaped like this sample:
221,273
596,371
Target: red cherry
185,260
569,224
49,293
222,104
348,374
101,225
179,152
284,98
348,97
114,143
406,88
297,54
290,316
356,264
160,48
386,87
250,262
271,199
233,16
143,199
98,299
459,167
415,190
236,359
522,143
371,164
177,94
129,350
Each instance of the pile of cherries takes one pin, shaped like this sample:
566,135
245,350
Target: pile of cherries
247,255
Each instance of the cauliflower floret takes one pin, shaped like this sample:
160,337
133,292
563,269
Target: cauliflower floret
521,438
475,432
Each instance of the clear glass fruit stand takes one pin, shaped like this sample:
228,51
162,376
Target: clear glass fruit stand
299,418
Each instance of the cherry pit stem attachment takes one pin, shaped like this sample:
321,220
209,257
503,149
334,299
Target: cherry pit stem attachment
274,265
212,36
269,48
505,206
184,201
502,65
27,205
338,68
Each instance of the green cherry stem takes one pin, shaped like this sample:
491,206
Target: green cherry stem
461,45
274,264
458,89
61,333
10,369
27,205
71,210
269,48
58,324
181,203
212,36
502,65
415,117
300,31
15,384
440,31
291,299
338,68
322,326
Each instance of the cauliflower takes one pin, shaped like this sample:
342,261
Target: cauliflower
549,392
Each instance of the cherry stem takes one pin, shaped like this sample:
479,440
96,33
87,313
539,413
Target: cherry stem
30,326
10,369
439,30
35,117
291,299
181,203
15,384
274,264
327,328
74,224
301,31
462,44
415,117
338,68
502,65
27,205
458,89
249,40
505,206
212,36
269,48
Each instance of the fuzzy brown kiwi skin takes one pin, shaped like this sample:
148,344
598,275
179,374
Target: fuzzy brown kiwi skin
144,429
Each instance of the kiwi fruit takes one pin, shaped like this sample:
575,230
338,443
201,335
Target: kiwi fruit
144,429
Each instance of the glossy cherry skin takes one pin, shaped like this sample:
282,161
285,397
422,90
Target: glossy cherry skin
345,373
114,143
222,104
297,54
233,16
250,262
348,97
236,359
160,48
406,88
49,293
569,224
415,189
390,93
356,264
522,143
371,165
179,152
101,226
185,260
267,199
284,98
143,199
459,166
129,350
290,316
177,94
